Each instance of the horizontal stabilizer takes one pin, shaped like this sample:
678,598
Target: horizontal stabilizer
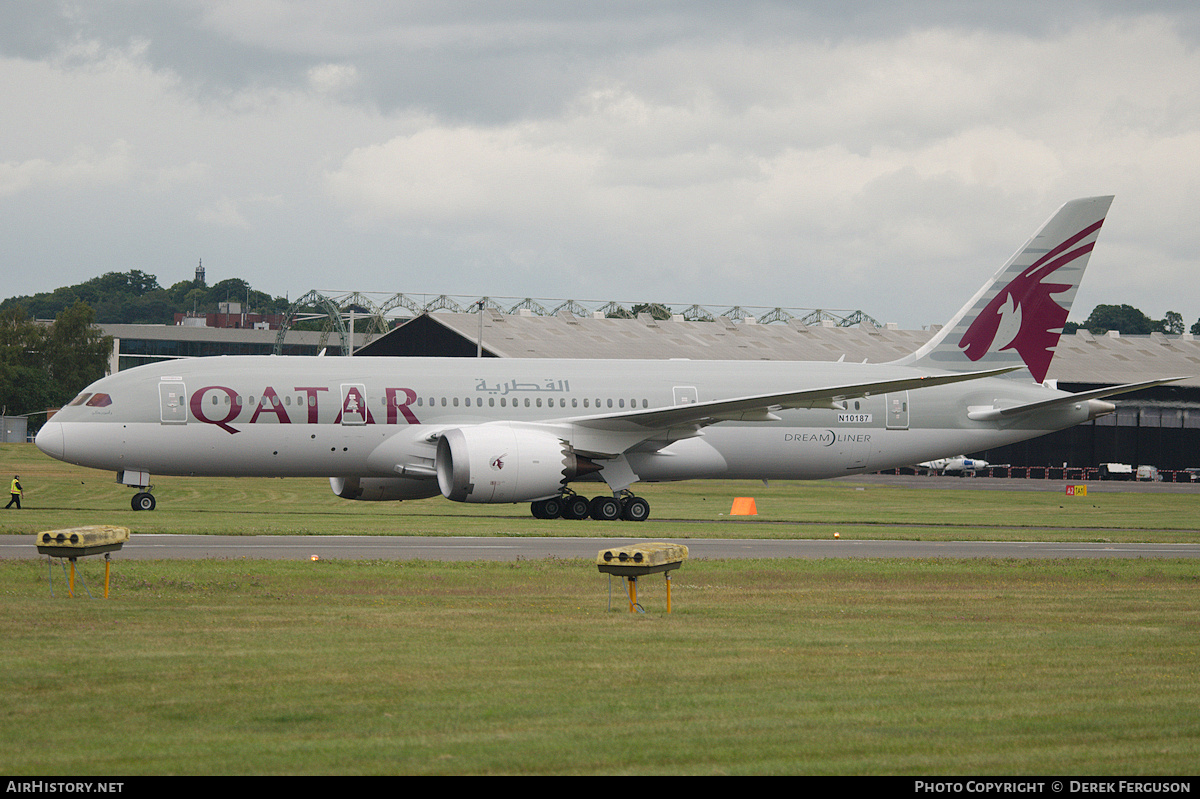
996,414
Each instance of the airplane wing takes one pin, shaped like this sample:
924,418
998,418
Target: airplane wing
758,407
997,414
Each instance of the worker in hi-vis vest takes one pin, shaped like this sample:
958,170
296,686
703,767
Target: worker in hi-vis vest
16,492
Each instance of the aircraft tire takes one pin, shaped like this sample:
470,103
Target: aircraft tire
635,509
576,508
605,509
142,500
547,508
554,507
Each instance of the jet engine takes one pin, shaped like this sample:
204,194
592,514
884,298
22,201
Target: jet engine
503,463
383,489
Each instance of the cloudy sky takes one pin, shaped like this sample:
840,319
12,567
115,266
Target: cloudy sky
880,156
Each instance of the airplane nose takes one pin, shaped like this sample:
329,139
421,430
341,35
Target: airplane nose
50,440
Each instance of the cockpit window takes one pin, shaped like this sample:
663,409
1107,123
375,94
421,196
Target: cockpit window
79,400
99,401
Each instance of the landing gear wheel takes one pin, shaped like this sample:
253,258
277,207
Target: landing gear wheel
576,507
547,508
605,509
635,509
553,507
142,500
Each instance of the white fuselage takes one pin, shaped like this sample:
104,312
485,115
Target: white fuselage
363,417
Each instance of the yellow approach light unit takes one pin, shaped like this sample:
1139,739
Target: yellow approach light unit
78,542
637,560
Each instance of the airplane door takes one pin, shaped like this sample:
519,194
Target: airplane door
897,410
686,395
858,451
172,402
354,404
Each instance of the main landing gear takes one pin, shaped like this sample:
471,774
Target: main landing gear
603,508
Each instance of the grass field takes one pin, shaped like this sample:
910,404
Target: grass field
764,667
61,495
800,667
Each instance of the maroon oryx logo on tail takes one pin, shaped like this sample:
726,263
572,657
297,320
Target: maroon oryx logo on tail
1026,306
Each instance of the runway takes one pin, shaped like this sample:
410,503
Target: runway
185,547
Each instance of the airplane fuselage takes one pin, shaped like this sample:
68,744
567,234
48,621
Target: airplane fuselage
378,417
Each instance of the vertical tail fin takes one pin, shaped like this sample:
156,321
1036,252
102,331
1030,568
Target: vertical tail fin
1018,316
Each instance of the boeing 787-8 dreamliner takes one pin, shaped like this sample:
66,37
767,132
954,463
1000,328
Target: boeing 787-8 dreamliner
535,430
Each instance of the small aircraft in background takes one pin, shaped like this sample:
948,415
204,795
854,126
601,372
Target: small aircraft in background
962,466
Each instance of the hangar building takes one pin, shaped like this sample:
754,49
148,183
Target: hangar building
134,345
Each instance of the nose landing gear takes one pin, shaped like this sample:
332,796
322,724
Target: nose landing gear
142,500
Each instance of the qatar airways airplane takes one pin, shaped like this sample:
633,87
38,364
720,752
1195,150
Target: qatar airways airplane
508,430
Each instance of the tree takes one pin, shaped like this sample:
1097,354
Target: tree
43,366
24,385
76,352
1123,318
1128,320
135,297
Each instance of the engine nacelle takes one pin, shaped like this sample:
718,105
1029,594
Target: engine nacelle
382,489
503,463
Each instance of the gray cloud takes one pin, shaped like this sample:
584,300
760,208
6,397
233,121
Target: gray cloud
886,157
